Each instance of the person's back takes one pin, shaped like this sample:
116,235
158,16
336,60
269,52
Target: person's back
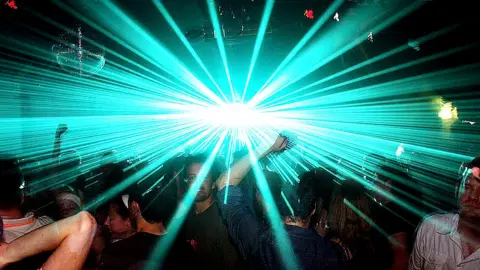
15,222
362,245
311,250
260,246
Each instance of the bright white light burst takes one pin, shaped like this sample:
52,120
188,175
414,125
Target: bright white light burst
233,116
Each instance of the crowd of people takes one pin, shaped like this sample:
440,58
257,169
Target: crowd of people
194,212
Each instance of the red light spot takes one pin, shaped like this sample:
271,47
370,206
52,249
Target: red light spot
11,4
309,14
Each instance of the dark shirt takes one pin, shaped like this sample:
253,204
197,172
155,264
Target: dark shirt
393,219
259,246
208,235
134,253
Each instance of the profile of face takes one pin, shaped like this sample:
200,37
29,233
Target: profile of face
118,226
469,198
382,184
68,208
207,187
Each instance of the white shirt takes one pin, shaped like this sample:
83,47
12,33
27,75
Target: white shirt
438,246
14,228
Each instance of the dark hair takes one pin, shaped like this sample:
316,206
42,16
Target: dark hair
474,163
120,208
115,176
11,180
344,223
369,249
403,186
300,200
320,181
215,171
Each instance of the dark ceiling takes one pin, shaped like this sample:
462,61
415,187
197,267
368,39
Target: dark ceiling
33,19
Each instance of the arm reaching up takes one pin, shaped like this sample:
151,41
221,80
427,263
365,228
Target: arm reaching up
57,144
244,165
71,239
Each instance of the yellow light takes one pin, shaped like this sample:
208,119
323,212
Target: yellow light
448,112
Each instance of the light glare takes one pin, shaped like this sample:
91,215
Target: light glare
232,115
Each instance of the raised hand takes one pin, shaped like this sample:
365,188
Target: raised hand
61,129
280,144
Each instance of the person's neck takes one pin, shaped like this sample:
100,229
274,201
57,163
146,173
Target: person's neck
13,213
152,228
297,223
200,207
469,231
124,235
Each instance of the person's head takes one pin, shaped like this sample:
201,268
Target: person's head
114,176
193,166
469,192
155,205
11,183
322,184
296,205
395,181
320,181
69,204
118,219
344,216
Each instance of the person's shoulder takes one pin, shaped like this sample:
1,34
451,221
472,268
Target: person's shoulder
440,222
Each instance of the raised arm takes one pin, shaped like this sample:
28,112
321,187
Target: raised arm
57,144
243,226
71,239
244,165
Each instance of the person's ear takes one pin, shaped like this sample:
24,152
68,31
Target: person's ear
323,214
388,185
134,208
128,222
314,210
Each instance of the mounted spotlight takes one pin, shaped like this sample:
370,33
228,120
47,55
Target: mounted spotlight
448,112
414,44
370,37
11,4
309,14
336,17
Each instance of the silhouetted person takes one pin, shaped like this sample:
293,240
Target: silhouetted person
258,244
205,227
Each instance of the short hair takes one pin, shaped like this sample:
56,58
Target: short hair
402,183
215,171
115,176
11,181
120,208
474,163
320,181
157,204
296,198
